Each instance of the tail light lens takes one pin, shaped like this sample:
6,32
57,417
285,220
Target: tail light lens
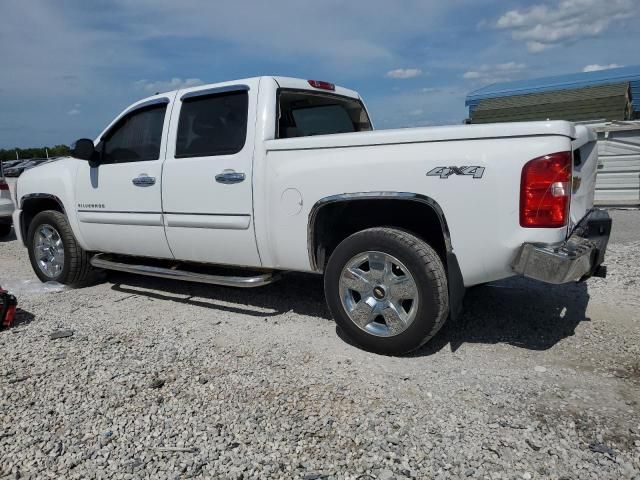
3,185
545,191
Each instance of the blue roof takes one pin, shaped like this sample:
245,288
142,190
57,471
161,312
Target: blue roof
561,82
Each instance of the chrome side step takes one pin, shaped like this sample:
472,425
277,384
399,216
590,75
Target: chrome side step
102,260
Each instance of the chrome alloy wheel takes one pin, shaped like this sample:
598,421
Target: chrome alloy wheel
379,293
49,250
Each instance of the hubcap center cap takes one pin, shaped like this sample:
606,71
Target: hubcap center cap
379,292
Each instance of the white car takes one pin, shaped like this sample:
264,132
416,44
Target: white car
276,174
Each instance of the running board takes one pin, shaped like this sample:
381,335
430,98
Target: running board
102,260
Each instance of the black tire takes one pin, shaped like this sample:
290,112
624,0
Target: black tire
76,270
5,229
427,270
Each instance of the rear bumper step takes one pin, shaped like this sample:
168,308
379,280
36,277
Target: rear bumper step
577,258
104,261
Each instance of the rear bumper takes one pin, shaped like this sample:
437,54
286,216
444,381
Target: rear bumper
577,258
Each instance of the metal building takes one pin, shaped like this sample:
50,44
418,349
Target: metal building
612,94
605,99
618,179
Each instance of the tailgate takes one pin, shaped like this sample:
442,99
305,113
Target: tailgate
585,164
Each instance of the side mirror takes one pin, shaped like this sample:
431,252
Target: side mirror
83,149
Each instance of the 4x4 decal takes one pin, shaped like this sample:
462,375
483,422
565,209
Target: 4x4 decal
446,172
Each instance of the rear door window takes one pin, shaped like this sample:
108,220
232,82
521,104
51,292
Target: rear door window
212,125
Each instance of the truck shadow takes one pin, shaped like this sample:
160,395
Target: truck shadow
300,293
9,238
519,312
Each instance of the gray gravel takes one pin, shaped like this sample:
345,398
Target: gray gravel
156,379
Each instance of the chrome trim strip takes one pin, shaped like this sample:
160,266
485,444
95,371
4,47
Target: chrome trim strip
214,90
225,222
407,196
118,211
109,218
101,260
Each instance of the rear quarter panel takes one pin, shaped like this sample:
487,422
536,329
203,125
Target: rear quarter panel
482,214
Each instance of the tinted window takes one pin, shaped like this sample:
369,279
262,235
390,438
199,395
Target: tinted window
212,125
322,120
136,137
302,113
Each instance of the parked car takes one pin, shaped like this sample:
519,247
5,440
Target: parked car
277,174
10,163
6,208
17,170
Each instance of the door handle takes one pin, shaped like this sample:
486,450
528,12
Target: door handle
229,176
144,180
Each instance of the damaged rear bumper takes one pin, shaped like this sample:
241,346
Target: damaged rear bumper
577,258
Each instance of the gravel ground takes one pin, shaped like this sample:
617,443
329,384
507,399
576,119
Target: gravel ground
160,379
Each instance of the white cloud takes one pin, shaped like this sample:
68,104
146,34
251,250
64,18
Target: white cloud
502,72
544,26
404,73
75,110
596,67
160,86
355,37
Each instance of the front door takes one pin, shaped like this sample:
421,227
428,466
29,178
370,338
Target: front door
206,180
119,205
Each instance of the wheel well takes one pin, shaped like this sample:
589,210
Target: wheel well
334,221
33,206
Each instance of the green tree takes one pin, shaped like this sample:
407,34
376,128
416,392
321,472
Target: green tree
34,152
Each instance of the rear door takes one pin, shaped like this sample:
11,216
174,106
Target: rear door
207,195
119,201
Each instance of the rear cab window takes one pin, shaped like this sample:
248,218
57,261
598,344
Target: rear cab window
303,113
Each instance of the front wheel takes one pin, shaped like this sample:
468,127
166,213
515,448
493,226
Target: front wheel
387,290
54,252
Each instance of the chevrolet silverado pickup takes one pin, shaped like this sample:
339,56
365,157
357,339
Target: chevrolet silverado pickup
269,175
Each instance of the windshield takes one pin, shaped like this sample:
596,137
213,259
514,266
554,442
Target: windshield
302,114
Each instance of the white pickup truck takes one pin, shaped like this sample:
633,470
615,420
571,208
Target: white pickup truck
272,174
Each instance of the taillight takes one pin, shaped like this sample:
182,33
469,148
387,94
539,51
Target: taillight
545,191
3,185
322,85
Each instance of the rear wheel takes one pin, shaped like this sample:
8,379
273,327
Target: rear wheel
387,290
54,252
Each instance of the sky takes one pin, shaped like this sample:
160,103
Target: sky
69,66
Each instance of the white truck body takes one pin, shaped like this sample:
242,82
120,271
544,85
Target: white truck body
174,208
263,221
